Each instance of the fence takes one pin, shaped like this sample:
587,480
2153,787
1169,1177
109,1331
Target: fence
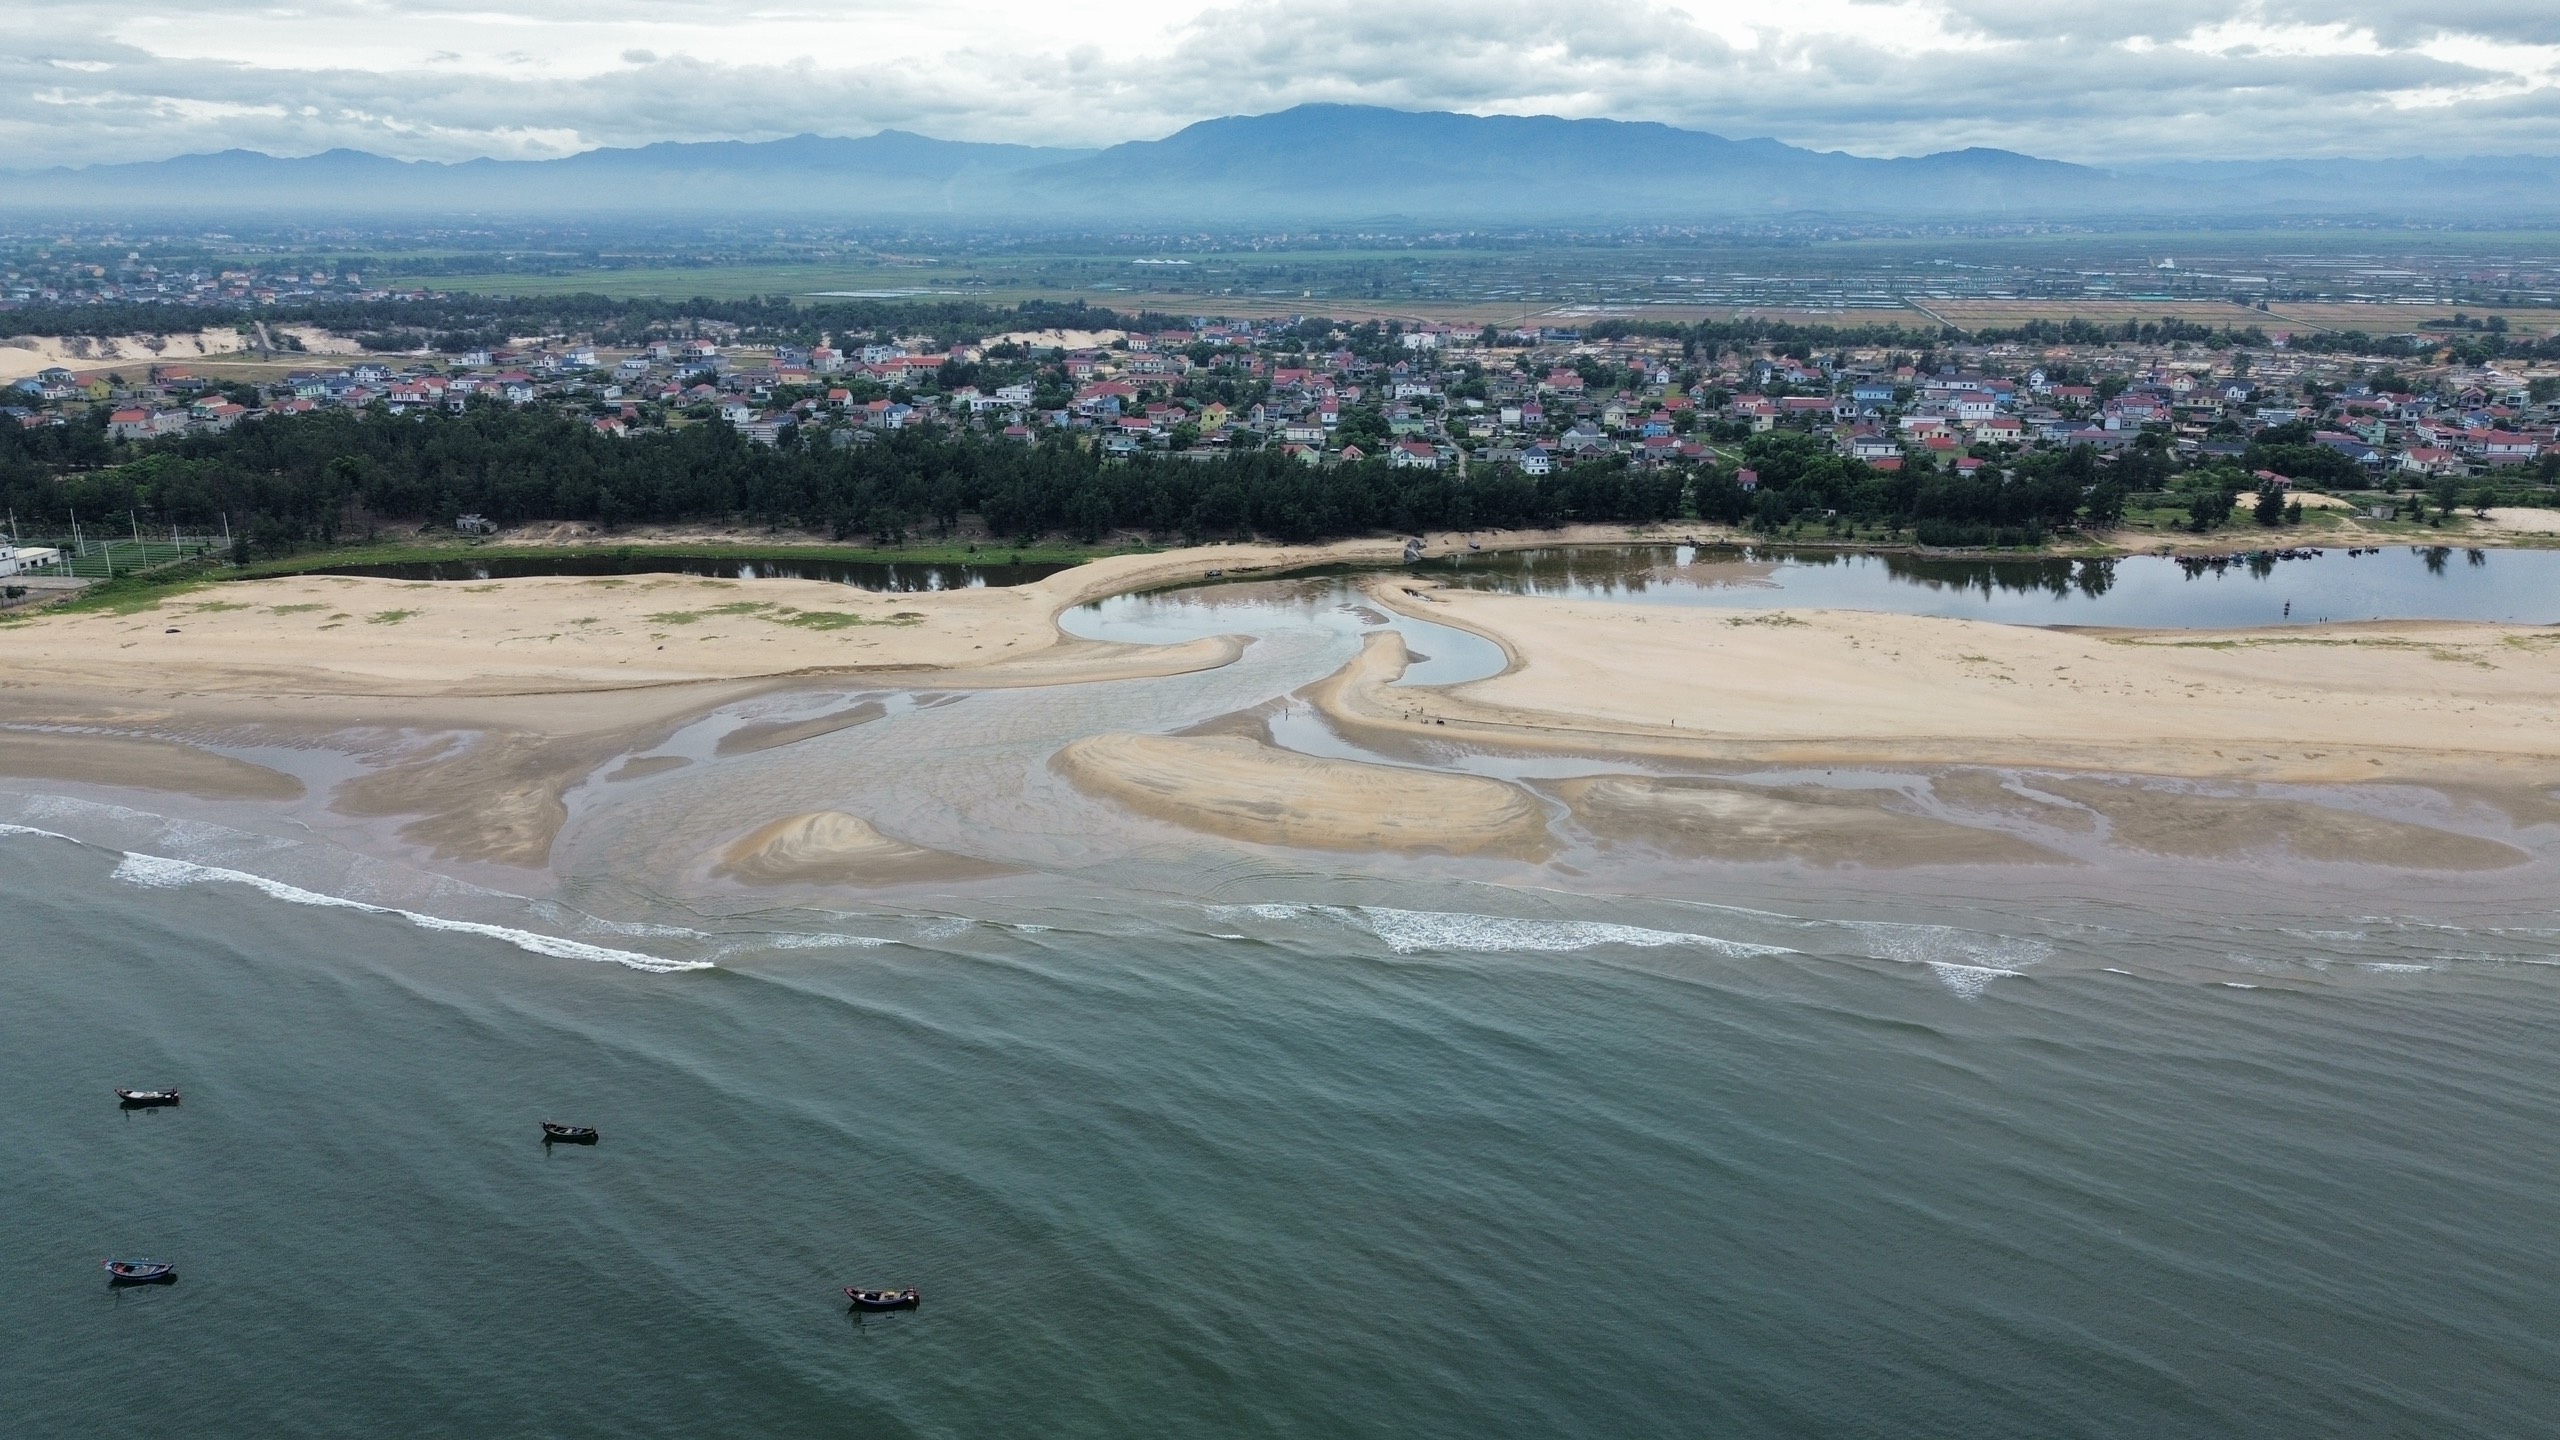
100,557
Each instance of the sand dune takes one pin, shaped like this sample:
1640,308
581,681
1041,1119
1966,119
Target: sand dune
1237,787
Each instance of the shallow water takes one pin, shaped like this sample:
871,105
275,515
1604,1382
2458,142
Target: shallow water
1184,1137
2334,585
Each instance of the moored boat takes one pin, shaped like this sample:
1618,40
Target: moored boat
146,1099
907,1299
568,1134
139,1272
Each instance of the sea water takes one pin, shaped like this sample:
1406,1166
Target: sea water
1279,1169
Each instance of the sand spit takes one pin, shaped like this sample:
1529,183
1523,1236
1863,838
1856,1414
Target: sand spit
829,847
1724,820
2419,701
1233,786
143,764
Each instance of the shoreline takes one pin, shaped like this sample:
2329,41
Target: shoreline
461,714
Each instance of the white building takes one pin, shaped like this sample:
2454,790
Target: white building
18,560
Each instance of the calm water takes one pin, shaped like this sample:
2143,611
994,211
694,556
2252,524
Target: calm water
2396,582
861,574
1173,1169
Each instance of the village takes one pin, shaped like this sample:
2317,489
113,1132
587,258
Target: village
1428,396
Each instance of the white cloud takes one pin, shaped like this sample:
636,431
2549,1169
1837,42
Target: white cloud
86,80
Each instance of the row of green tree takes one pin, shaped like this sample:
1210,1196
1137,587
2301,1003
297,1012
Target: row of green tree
289,481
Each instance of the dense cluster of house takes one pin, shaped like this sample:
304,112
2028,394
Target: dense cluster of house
1428,396
79,280
2207,405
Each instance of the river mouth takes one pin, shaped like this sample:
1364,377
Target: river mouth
890,576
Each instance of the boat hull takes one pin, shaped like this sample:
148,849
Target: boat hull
884,1299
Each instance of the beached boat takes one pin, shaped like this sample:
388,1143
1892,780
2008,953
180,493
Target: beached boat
568,1134
862,1299
145,1099
139,1272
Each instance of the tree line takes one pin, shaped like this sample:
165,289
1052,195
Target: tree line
286,482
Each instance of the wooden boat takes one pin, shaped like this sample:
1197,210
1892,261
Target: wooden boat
145,1099
139,1272
568,1134
862,1299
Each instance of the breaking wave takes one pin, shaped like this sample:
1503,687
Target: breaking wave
1412,932
161,872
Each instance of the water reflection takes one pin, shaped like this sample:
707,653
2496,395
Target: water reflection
2292,585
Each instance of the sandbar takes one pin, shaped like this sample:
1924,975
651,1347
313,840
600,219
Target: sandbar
830,847
141,763
2421,701
1237,787
1736,821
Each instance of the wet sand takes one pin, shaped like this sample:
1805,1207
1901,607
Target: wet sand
1240,788
1734,821
829,847
142,764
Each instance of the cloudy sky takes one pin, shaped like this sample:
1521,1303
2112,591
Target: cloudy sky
95,80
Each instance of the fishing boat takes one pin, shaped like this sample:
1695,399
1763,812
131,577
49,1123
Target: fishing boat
146,1099
568,1134
862,1299
139,1272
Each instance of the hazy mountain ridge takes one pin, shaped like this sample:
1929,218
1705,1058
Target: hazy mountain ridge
1311,164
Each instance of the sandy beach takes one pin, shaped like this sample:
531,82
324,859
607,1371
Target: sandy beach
2419,701
466,712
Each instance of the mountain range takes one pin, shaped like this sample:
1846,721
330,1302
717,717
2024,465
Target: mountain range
1312,165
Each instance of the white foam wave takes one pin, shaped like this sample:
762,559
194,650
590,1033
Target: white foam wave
1965,961
1413,932
2234,985
1968,981
2388,967
819,942
559,914
1262,912
161,872
1410,931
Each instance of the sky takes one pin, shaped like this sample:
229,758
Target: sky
84,81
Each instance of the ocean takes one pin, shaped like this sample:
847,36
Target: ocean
1181,1141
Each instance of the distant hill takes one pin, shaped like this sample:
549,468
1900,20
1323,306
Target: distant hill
893,172
1315,164
1346,161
